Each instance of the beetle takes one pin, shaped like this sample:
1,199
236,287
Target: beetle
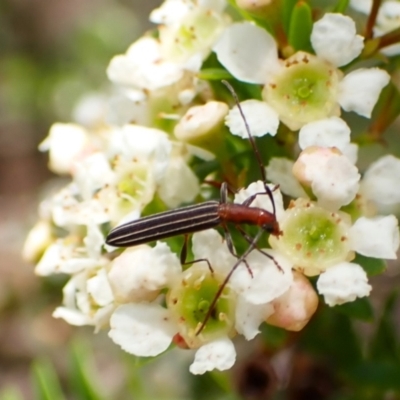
198,217
209,214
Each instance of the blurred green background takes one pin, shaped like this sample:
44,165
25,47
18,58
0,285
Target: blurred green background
51,53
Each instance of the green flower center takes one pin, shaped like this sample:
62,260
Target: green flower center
313,238
190,303
304,90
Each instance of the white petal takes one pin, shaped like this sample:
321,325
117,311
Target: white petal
144,330
65,143
269,280
179,184
262,200
143,67
334,179
261,119
92,173
49,263
381,180
249,316
99,288
216,5
375,237
94,240
334,38
73,317
248,52
90,109
39,237
363,6
279,172
209,244
351,152
170,12
329,132
360,89
343,283
219,354
141,271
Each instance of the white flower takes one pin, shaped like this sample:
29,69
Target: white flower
143,67
88,299
189,29
140,272
65,143
332,177
388,19
68,209
92,174
303,88
380,181
343,283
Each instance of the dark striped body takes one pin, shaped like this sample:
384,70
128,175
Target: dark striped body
166,224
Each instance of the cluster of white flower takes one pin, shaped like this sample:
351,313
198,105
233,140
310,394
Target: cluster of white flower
162,115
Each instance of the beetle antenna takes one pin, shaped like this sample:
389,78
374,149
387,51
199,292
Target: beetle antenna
253,144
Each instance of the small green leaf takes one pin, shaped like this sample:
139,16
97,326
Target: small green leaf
300,27
214,74
287,9
341,6
384,344
359,309
372,266
82,374
45,381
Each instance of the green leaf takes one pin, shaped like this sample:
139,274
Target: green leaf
214,74
331,335
82,372
359,309
45,381
341,6
384,344
372,266
375,376
300,27
287,9
273,336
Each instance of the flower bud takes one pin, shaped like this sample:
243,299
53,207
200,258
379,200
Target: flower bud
202,126
296,306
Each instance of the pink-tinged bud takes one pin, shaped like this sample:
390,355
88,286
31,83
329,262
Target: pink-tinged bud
296,306
312,156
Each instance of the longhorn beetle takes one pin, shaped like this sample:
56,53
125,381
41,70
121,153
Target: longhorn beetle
198,217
